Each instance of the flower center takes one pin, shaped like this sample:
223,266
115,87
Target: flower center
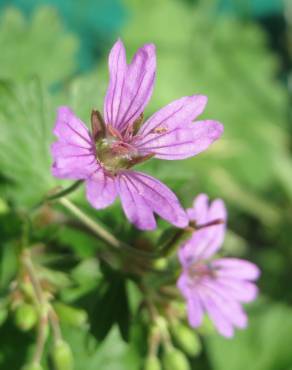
114,154
199,270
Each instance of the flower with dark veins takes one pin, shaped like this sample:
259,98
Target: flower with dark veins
104,158
213,285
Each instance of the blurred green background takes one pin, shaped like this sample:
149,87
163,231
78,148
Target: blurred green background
238,53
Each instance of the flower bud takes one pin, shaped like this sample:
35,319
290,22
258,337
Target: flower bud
174,359
33,366
186,338
26,316
152,363
62,356
70,315
160,263
27,289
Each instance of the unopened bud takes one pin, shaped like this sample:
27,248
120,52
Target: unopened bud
70,315
160,263
26,316
187,339
33,366
152,363
62,356
27,289
174,359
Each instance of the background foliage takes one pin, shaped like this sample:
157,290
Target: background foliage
239,55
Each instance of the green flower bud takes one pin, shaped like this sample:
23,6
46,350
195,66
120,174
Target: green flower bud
27,290
187,339
26,316
33,366
152,363
160,263
62,356
174,359
70,315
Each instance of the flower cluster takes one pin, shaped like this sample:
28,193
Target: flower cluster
120,139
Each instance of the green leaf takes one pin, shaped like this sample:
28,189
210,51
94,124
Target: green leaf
106,305
26,121
37,47
111,354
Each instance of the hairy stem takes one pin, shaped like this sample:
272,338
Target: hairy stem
41,339
58,195
33,277
92,225
54,320
64,192
101,232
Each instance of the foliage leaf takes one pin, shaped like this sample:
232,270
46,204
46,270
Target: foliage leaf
26,120
36,47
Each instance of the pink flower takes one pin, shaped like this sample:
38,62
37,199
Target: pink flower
216,286
104,158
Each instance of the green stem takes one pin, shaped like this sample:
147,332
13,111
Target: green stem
60,194
174,241
41,340
64,192
33,277
101,232
92,225
54,320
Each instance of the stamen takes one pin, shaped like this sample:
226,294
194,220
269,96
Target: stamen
114,132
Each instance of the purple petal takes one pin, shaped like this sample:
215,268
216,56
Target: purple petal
207,240
117,70
179,113
229,307
181,143
100,189
74,152
130,87
215,233
236,268
183,285
195,311
71,130
199,212
149,195
240,290
134,205
222,323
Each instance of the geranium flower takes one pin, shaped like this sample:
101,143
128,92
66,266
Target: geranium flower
216,286
104,157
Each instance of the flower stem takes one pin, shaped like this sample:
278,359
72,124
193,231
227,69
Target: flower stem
92,225
46,310
175,240
56,196
64,192
33,278
54,320
102,233
41,340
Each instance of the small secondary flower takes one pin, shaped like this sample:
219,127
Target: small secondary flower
216,286
119,140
